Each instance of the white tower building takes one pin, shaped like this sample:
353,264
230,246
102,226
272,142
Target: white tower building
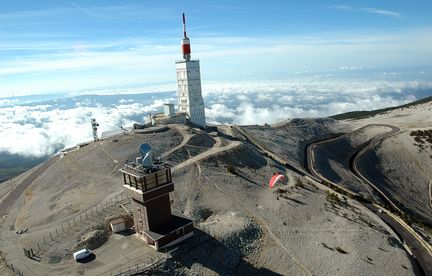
190,98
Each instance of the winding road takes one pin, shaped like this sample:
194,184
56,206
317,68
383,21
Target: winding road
363,177
421,250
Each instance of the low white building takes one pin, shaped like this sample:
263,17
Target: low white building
169,110
118,225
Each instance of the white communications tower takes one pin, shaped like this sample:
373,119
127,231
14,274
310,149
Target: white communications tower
190,99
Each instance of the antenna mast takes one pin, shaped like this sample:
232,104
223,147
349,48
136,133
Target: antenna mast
184,25
186,49
94,128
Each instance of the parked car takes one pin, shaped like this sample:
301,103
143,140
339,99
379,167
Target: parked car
81,254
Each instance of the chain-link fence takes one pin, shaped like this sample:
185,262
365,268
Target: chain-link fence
69,230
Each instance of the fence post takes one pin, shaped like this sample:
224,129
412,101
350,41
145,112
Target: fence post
74,221
38,246
62,228
44,238
57,231
69,224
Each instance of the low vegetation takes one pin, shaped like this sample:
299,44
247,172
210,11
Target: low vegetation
333,198
423,223
298,183
423,134
231,169
422,138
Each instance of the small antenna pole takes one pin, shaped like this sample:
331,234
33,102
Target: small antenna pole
184,25
94,129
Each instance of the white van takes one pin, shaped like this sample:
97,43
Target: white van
81,254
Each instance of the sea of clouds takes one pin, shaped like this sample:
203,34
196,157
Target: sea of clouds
44,127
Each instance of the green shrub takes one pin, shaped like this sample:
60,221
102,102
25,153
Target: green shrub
298,182
333,198
231,169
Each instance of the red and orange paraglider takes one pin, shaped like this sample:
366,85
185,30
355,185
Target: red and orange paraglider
276,178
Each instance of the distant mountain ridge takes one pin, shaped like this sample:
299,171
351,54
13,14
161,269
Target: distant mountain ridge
366,114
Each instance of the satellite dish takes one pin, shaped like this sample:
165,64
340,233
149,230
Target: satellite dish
147,155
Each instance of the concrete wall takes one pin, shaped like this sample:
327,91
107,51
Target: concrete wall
158,212
189,93
118,227
169,110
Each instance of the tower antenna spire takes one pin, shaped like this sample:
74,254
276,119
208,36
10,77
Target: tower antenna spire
186,49
184,25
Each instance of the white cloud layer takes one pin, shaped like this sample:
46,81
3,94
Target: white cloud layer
367,10
273,101
41,129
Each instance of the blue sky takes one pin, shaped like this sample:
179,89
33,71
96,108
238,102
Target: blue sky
59,46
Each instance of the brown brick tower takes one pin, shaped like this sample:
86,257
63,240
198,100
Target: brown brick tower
148,184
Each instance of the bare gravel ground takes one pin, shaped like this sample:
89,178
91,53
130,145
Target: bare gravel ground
301,231
401,165
404,171
85,177
245,228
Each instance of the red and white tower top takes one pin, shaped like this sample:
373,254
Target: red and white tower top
186,49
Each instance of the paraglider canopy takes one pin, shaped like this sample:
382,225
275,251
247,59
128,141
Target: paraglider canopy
275,178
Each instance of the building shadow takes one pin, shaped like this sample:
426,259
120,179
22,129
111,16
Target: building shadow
126,232
227,137
210,253
247,179
292,199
